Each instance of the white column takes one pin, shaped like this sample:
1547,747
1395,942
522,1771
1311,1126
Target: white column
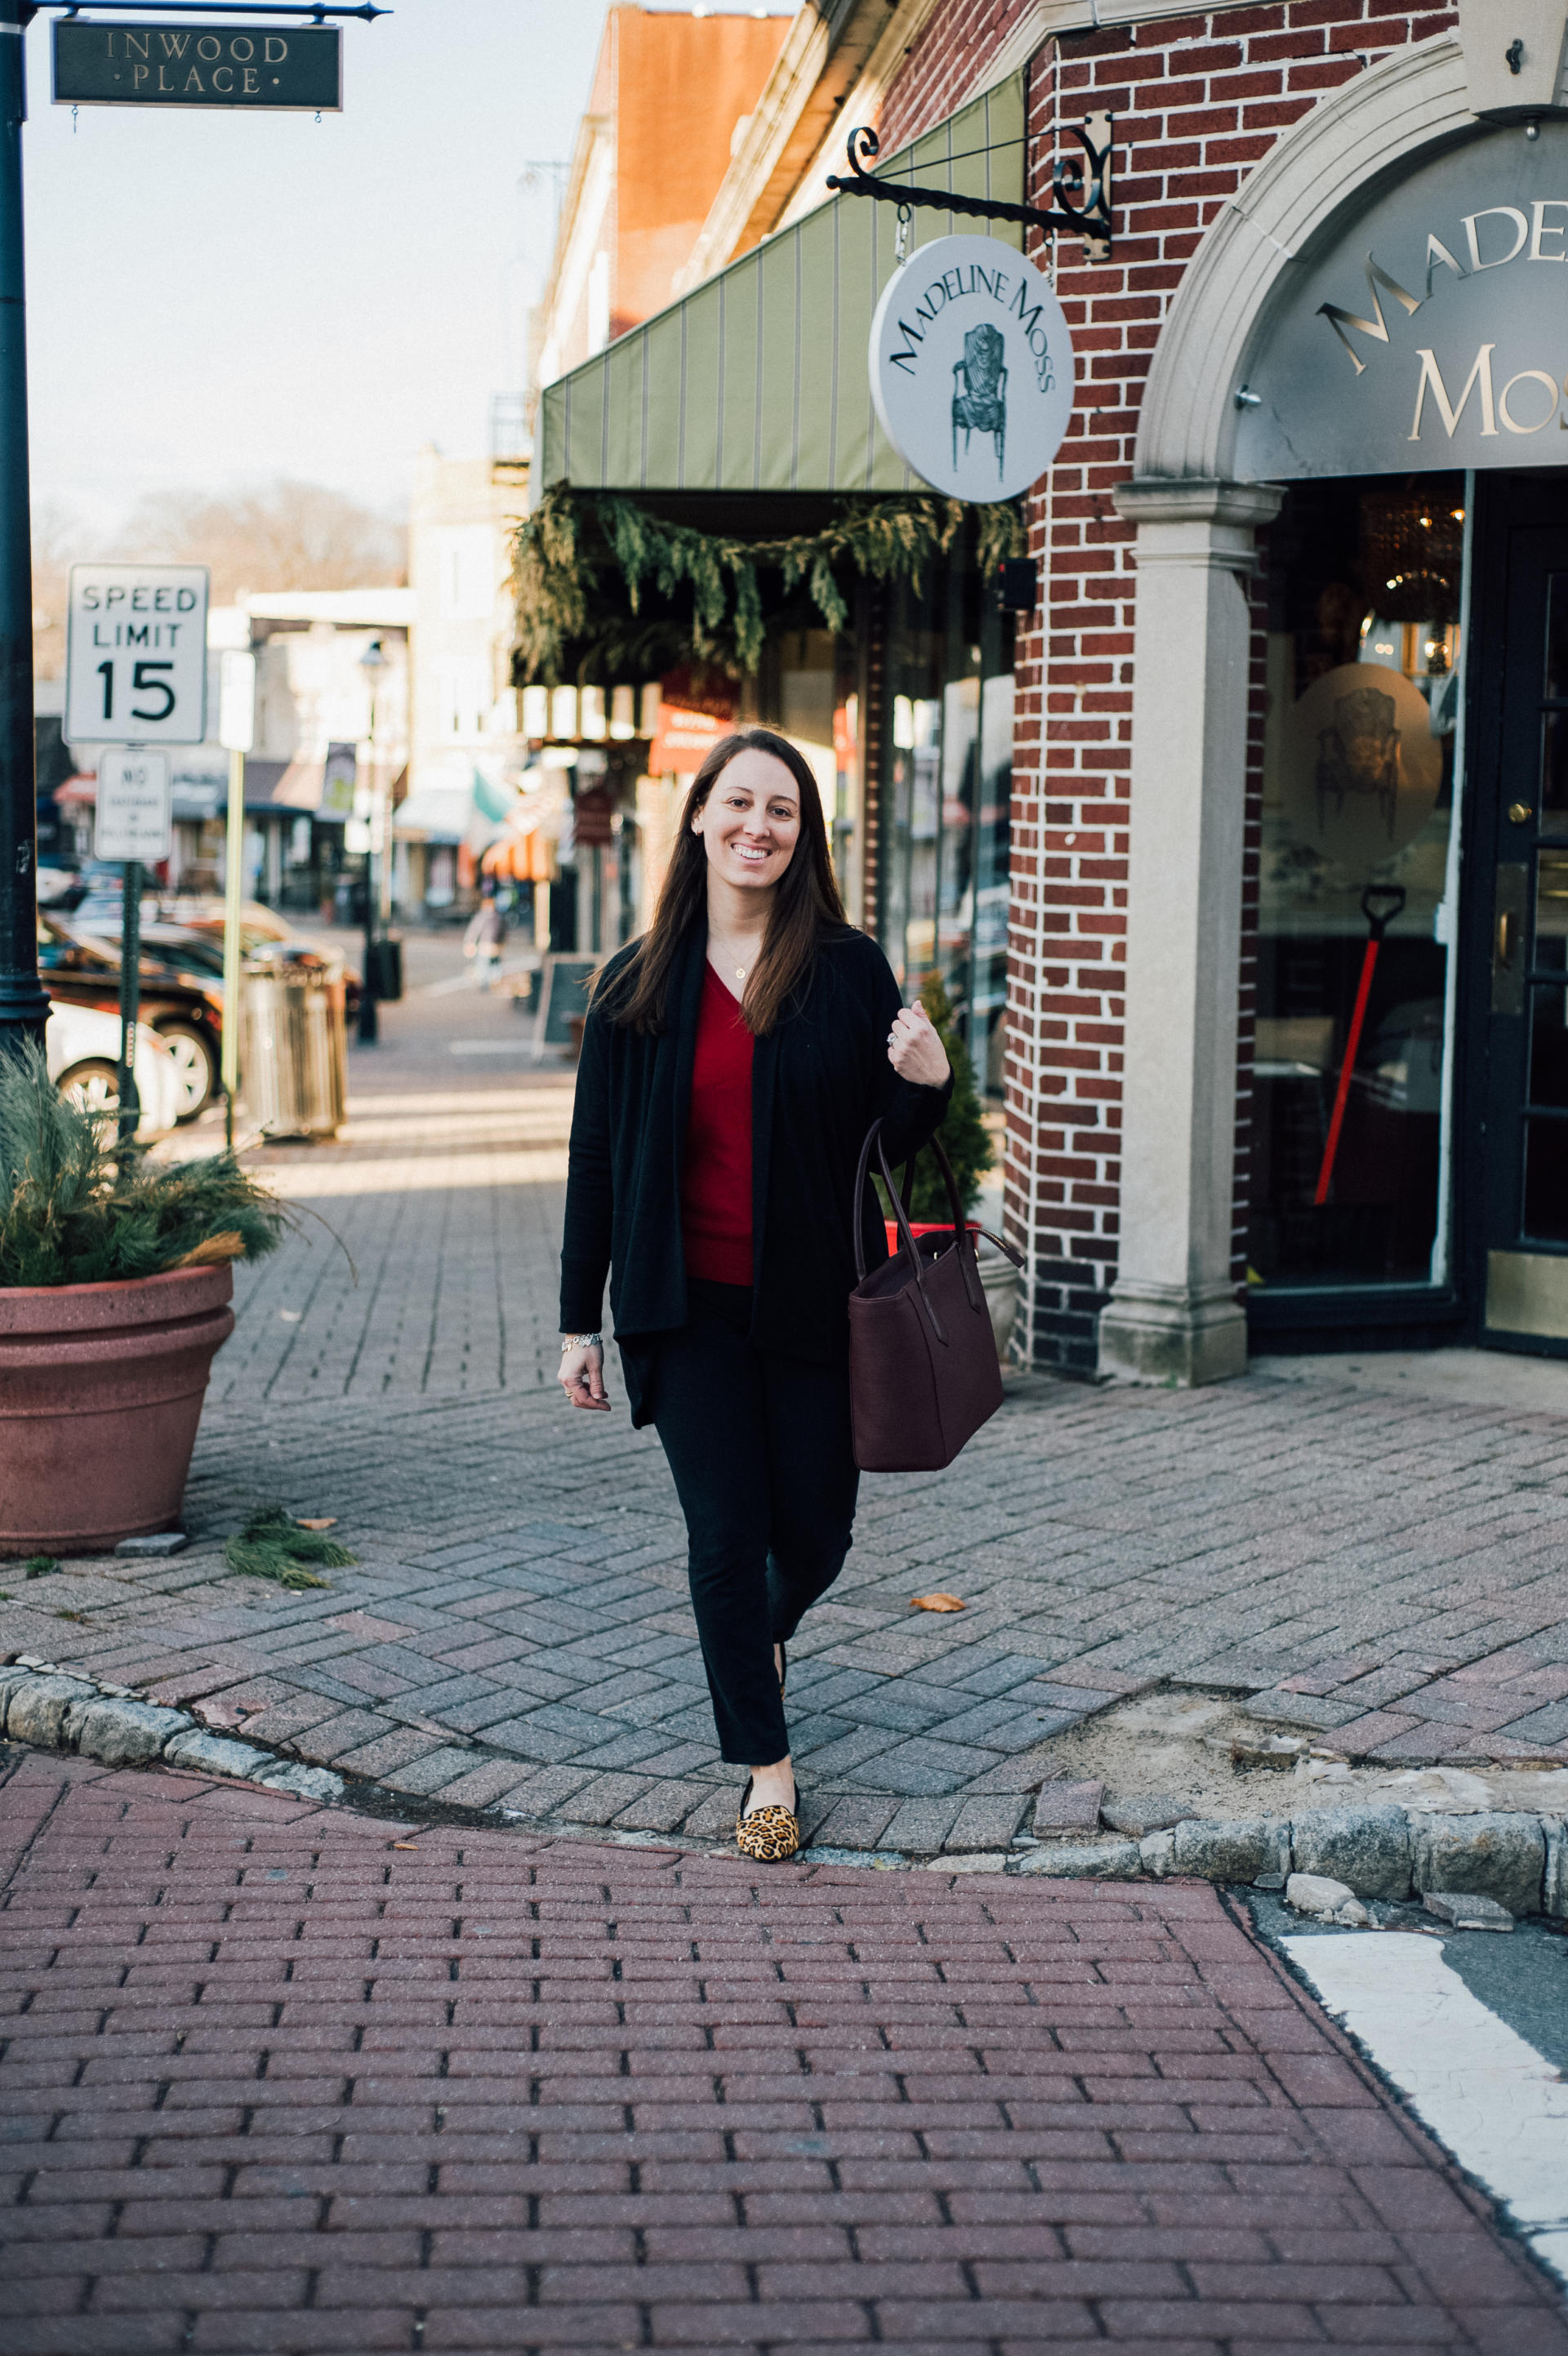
1173,1314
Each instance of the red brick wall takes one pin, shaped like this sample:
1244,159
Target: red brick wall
1198,100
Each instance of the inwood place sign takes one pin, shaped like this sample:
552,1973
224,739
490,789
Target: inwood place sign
98,64
970,367
1431,328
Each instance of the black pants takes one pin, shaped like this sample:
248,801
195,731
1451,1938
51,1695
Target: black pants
765,1471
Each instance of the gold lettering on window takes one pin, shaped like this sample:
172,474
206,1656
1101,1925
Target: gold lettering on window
1496,212
1542,227
1450,412
1529,376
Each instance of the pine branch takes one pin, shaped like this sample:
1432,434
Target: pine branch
584,556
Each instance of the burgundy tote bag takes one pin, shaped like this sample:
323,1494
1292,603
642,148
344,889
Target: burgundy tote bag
923,1374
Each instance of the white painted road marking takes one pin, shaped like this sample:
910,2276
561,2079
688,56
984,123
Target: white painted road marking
1490,2098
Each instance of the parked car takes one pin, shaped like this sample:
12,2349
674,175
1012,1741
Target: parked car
99,891
82,1048
185,1009
259,928
58,886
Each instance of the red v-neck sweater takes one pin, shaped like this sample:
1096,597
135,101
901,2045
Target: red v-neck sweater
716,1189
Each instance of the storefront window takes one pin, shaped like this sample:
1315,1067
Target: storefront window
1357,884
920,844
807,688
946,784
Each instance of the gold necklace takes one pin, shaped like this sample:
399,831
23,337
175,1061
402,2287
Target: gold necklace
740,970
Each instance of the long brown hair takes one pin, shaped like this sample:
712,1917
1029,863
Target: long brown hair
806,903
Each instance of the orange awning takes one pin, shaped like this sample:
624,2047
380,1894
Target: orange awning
520,858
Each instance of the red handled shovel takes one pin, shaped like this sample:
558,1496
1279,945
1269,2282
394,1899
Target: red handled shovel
1381,903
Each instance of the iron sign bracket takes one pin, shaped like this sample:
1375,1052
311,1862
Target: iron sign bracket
1085,178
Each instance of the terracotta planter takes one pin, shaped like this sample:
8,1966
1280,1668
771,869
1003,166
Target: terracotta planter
101,1392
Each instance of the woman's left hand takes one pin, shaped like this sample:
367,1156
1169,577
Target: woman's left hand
914,1049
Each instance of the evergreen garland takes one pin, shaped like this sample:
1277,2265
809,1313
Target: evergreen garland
586,562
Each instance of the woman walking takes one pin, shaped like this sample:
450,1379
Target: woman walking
732,1060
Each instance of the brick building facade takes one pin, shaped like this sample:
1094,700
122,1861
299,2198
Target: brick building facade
1274,1060
1198,100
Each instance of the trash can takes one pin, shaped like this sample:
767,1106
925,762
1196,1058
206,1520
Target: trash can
386,965
294,1072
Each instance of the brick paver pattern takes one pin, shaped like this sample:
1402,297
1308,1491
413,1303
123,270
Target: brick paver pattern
283,2079
1385,1569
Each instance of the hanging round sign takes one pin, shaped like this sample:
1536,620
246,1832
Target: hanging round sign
972,368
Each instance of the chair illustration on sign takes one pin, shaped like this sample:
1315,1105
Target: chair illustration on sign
980,392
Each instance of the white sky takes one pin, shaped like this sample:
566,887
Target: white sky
215,299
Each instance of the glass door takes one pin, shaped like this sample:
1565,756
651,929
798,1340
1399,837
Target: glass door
1358,871
945,794
1524,1180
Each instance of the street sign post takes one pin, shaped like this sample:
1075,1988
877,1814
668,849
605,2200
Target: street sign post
245,67
24,1008
134,805
136,655
237,733
100,62
130,998
133,824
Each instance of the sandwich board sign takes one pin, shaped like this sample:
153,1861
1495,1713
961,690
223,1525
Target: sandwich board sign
136,655
135,806
248,68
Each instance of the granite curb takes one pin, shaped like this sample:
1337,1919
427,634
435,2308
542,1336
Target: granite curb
1518,1860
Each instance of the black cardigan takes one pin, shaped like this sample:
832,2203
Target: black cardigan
819,1080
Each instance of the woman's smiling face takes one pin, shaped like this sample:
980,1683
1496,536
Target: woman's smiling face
750,822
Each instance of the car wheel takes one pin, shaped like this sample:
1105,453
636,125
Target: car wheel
93,1086
194,1062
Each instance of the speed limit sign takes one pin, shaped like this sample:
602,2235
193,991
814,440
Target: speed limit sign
136,655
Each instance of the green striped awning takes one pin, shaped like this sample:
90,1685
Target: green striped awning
756,380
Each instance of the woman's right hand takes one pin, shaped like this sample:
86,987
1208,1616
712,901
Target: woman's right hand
582,1377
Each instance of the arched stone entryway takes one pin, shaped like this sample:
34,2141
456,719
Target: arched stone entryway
1173,1314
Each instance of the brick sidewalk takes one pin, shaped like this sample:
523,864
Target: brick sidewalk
281,2078
1385,1569
447,1191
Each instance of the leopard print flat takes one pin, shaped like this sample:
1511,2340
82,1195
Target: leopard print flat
766,1835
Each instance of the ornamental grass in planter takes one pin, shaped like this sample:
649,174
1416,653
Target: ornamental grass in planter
115,1279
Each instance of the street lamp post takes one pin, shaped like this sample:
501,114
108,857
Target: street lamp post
24,1005
372,662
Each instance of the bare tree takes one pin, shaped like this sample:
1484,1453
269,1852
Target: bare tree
56,544
286,535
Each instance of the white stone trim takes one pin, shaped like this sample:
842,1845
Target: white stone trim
1173,1314
1497,89
810,45
1416,98
865,103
